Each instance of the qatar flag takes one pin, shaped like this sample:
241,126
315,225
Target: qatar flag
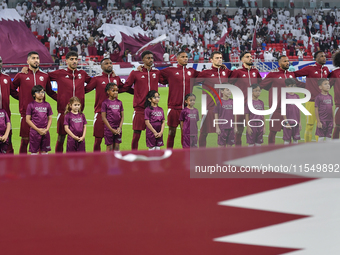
17,40
133,39
254,43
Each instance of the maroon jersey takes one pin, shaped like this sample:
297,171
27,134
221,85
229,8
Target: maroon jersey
144,82
324,103
334,80
113,109
211,77
189,118
292,111
5,86
313,73
225,112
4,119
258,105
75,123
39,113
26,82
70,84
276,79
178,79
99,83
243,78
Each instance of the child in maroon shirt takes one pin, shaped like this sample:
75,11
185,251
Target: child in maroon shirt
112,116
39,118
154,121
5,128
324,111
75,126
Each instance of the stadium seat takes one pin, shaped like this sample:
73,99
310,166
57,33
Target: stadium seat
47,45
40,37
35,33
185,3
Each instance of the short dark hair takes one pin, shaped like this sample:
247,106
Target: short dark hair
322,80
35,89
71,54
104,59
290,81
317,53
180,52
336,59
215,53
255,85
244,53
109,86
282,56
146,53
32,53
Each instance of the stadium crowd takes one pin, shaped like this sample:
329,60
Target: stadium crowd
74,26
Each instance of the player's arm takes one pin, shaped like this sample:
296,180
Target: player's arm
50,91
91,85
163,76
235,126
122,89
129,81
266,83
88,78
41,131
233,77
14,86
302,72
333,114
218,131
53,75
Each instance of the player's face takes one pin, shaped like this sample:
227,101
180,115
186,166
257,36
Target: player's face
72,62
113,92
321,58
191,101
182,59
107,66
34,61
217,60
325,86
284,63
247,59
256,92
148,60
75,107
40,95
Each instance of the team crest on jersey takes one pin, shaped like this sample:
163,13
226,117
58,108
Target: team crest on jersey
79,76
177,73
67,76
223,73
280,77
189,73
41,78
325,72
212,75
5,81
316,72
114,82
28,78
143,76
244,75
153,75
103,82
254,74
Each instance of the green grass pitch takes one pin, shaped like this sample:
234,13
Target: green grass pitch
127,127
